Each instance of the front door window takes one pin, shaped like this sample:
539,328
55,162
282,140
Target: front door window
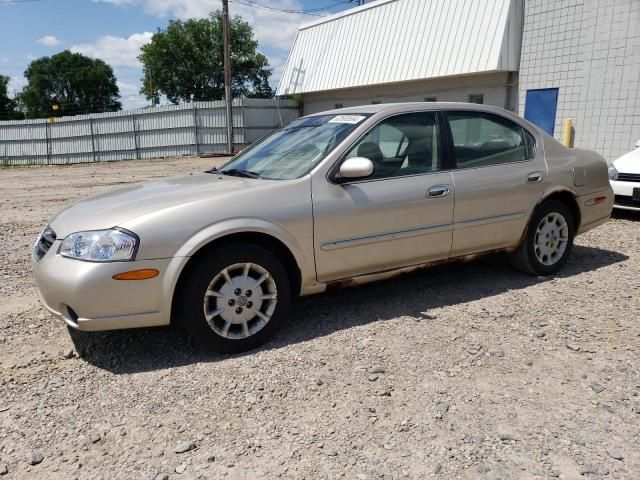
401,145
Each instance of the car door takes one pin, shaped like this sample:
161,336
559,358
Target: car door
399,216
498,179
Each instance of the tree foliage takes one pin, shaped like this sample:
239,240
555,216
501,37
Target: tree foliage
75,83
8,106
185,62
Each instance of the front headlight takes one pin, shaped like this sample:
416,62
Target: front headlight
613,173
100,246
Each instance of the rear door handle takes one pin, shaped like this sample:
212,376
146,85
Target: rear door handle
438,191
535,177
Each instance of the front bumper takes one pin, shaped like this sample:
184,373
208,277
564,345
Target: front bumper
624,195
86,297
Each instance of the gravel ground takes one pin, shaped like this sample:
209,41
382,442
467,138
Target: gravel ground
467,371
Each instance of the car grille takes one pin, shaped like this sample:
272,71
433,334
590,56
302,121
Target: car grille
629,177
626,201
44,243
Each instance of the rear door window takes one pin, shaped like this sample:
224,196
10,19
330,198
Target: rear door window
482,139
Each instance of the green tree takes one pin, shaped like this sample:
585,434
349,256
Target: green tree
8,106
75,83
261,87
185,61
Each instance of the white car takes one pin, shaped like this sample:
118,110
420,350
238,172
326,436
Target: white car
624,175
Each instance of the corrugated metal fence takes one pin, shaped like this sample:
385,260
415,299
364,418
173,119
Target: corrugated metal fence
173,130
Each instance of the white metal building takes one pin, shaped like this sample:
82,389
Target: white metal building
546,59
407,50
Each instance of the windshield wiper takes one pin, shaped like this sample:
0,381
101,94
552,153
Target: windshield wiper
212,170
236,172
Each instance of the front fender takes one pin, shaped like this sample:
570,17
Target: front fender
224,228
241,225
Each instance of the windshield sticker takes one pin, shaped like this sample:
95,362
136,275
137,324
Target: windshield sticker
353,119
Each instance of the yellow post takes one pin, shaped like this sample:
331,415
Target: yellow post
567,133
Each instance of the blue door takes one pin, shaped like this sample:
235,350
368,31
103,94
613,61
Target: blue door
540,108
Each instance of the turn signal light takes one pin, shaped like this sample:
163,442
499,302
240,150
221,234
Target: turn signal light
142,274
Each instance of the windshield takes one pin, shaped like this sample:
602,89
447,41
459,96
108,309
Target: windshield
295,149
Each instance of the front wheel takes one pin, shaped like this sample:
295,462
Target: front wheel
235,298
548,241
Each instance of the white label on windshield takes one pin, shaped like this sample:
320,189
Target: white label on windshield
347,119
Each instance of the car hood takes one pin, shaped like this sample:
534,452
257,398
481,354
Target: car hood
118,206
629,162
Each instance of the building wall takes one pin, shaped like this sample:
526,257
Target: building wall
494,87
590,50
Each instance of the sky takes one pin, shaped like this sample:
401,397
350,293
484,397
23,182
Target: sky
114,30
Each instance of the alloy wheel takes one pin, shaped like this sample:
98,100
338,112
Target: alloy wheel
551,239
240,300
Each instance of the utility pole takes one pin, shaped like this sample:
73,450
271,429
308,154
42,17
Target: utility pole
227,74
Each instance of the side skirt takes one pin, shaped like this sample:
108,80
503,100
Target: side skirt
396,272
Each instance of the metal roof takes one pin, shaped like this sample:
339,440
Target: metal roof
400,40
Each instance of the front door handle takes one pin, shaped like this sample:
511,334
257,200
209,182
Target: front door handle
438,191
535,177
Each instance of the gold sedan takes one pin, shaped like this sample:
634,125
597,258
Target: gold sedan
341,197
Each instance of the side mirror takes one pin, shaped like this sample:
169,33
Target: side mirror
638,144
356,167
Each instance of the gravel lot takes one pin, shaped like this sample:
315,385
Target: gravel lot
467,371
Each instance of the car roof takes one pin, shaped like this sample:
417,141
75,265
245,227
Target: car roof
400,106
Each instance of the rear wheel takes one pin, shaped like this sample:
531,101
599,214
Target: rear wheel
235,298
548,242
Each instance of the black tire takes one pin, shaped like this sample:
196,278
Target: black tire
191,298
524,258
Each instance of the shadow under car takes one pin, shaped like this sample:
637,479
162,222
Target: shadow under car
412,294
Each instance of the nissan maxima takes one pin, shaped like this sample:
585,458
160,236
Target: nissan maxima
336,198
